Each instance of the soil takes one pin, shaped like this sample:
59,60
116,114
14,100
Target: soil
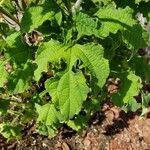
110,129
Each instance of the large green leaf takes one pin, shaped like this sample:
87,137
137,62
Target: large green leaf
34,16
113,19
69,94
90,54
68,89
130,87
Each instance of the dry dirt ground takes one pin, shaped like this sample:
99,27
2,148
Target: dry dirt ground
110,129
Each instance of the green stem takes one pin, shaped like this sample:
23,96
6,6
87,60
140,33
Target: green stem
3,11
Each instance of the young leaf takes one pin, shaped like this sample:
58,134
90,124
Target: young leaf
48,119
132,105
145,103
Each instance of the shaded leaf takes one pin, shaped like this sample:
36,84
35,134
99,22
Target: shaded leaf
34,16
113,19
130,87
4,103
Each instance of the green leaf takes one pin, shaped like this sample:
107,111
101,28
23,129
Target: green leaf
69,90
20,56
113,19
10,132
19,81
46,130
48,119
4,103
130,87
85,24
90,54
68,93
132,105
17,51
48,115
48,52
138,1
3,73
141,68
34,16
92,57
78,123
145,103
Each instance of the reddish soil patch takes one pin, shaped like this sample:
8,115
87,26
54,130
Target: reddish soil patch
110,129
